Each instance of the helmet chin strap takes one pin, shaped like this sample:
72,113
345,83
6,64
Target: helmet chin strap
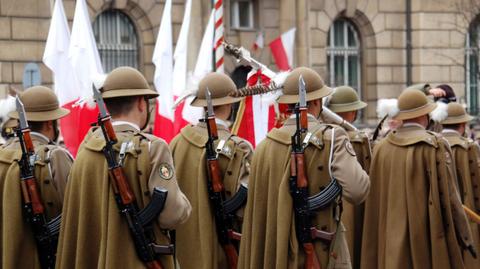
148,116
56,131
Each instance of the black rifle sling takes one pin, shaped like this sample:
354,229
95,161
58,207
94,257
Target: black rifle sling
333,189
231,176
150,212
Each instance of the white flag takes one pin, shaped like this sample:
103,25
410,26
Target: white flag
55,56
83,52
163,60
180,55
202,68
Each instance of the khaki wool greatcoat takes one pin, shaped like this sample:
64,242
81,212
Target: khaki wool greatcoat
352,216
413,215
93,234
51,171
269,239
197,243
465,154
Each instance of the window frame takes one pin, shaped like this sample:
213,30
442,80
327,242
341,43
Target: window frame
106,47
471,85
346,52
235,15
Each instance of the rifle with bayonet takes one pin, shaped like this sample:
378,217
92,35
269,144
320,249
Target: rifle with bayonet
45,233
299,182
304,206
223,210
140,222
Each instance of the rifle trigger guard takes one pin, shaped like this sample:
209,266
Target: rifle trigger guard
306,140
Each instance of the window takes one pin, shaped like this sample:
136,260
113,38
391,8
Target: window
471,69
343,55
116,40
31,75
241,14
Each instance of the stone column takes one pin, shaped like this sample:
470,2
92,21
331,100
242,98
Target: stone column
287,15
195,33
302,39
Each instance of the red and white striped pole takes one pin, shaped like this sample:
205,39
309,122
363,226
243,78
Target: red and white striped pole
219,32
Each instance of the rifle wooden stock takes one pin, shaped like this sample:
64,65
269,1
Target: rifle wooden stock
107,124
27,140
31,195
214,167
472,215
232,256
121,185
301,176
311,259
213,127
303,118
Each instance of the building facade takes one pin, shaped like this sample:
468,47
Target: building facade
376,46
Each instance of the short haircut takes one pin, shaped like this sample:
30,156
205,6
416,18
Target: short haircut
36,126
120,105
451,126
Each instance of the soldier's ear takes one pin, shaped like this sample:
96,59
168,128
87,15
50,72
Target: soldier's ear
141,103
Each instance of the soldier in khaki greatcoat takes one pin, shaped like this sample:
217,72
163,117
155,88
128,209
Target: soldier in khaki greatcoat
269,239
345,102
93,233
197,239
413,215
52,167
466,158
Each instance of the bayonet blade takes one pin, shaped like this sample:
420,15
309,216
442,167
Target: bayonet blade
101,104
302,92
21,113
208,96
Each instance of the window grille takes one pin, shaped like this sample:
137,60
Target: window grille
471,70
343,55
116,40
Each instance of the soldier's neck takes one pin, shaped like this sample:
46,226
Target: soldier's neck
127,118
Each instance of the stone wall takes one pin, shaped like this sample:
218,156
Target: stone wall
438,37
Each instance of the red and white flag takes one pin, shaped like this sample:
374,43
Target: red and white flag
179,79
163,77
203,66
282,50
256,114
259,42
75,62
55,56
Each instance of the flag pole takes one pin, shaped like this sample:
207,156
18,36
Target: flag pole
218,36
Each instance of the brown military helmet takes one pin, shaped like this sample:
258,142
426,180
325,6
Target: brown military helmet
126,81
413,103
220,87
345,99
41,104
314,85
456,114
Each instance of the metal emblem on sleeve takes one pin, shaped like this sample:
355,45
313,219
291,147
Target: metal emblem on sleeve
165,171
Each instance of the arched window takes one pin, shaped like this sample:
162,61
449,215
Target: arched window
471,68
116,40
343,55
